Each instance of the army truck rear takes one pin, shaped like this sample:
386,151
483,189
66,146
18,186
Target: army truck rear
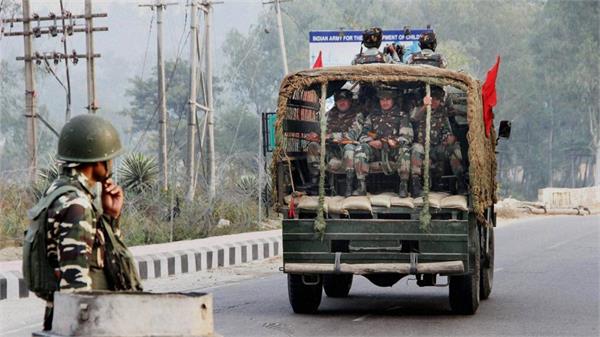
328,239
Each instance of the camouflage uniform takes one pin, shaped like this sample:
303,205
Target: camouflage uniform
373,55
440,151
341,126
392,124
75,245
429,57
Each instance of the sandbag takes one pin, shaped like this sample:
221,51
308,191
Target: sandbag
402,202
381,200
311,203
361,203
435,199
288,198
456,202
335,205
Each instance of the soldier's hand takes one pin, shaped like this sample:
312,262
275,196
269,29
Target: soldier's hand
312,137
427,100
112,198
392,143
376,144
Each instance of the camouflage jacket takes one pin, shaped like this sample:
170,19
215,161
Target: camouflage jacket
440,125
373,55
74,244
392,124
429,57
344,125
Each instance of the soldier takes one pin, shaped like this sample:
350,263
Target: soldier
75,239
343,129
427,55
387,136
443,144
372,38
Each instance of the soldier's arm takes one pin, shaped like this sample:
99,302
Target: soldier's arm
354,132
75,239
406,134
365,131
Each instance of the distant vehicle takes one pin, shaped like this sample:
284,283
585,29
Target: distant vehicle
382,237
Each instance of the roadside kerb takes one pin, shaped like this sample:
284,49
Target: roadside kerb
173,258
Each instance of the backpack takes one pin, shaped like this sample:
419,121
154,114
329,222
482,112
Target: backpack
37,272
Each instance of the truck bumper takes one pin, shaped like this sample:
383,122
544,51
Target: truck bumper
448,267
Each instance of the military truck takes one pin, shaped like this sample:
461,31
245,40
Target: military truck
329,238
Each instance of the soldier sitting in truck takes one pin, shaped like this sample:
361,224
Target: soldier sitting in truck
427,55
444,145
343,127
386,136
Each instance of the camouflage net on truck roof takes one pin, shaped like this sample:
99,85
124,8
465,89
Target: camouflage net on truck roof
482,157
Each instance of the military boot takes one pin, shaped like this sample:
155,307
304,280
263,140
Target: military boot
461,185
362,188
349,183
416,188
403,189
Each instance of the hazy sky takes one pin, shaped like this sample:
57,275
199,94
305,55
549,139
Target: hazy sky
124,47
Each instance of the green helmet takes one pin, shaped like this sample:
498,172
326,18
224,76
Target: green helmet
386,92
88,139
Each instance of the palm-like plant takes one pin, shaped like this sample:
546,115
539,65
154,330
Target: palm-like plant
138,172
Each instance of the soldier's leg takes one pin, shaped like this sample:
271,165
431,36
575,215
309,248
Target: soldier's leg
438,159
362,154
417,155
454,155
313,157
348,165
403,167
48,315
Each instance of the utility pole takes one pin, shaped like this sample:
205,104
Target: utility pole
280,29
160,5
29,32
89,49
30,97
207,8
191,132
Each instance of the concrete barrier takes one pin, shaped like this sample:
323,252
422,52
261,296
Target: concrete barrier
173,258
569,197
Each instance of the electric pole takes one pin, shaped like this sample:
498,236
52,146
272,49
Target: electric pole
30,97
280,29
207,8
29,32
89,49
160,5
191,132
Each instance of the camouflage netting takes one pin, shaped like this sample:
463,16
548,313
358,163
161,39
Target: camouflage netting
482,158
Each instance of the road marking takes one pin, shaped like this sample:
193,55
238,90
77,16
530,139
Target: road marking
567,241
498,269
361,318
22,328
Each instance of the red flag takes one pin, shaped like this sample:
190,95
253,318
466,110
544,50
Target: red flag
488,93
292,210
319,61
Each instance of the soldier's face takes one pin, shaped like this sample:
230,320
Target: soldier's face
343,104
435,102
386,103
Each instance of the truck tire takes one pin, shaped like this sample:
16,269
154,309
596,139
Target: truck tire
337,285
487,270
304,298
464,289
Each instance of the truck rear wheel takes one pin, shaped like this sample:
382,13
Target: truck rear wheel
337,285
464,289
487,269
305,298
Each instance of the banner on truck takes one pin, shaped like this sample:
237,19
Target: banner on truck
338,48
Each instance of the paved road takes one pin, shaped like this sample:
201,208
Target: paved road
546,284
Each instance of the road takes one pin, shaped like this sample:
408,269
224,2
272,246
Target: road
546,284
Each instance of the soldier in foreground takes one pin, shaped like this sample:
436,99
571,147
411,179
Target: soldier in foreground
343,128
387,135
444,145
82,223
427,55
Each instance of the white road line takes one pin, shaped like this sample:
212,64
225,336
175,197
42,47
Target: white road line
498,269
562,243
23,328
361,318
